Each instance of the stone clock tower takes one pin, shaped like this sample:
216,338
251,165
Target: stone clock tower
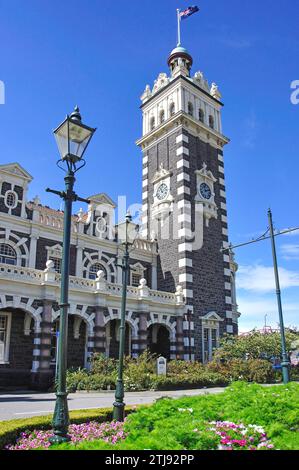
184,200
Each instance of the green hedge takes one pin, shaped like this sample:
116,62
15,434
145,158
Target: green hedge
10,430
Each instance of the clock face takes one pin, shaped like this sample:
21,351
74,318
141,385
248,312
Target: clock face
205,191
162,192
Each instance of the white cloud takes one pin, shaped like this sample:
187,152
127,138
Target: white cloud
254,309
250,130
295,233
238,43
259,278
290,252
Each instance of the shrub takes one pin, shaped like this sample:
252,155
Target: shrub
253,370
100,364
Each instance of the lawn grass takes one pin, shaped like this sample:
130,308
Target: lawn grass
169,424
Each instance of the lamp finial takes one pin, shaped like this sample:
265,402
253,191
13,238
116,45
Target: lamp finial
76,116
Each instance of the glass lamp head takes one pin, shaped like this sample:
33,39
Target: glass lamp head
127,231
73,137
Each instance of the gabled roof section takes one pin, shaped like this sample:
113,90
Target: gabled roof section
102,198
16,169
213,316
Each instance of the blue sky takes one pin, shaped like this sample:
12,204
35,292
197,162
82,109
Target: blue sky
100,55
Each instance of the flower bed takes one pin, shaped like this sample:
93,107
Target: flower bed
11,431
240,437
108,432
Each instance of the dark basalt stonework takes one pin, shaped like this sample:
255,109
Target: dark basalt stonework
207,263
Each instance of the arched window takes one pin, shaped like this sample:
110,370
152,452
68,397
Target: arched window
211,122
190,109
172,109
162,116
201,115
7,254
94,269
152,124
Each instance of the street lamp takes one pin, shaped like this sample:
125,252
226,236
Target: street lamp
72,138
126,235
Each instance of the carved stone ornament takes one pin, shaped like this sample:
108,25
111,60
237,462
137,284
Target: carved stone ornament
215,92
161,174
161,82
200,81
206,194
146,95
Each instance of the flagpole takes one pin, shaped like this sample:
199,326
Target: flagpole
179,27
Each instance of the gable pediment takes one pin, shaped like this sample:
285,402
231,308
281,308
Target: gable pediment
212,316
15,169
102,198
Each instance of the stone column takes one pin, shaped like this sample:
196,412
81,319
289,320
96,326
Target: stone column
42,374
90,345
134,346
119,276
142,330
154,276
173,347
79,261
179,339
32,252
99,331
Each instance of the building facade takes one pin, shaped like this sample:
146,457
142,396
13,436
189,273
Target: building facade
181,296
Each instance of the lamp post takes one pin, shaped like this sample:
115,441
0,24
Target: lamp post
126,234
72,138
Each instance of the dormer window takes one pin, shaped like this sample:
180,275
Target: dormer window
201,115
11,200
211,122
152,124
135,279
190,109
57,263
162,116
172,109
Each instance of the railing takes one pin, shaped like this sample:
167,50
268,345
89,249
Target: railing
162,296
145,245
19,273
52,278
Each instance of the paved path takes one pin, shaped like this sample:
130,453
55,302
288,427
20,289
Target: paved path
26,404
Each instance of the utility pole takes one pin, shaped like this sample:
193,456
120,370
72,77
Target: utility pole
285,361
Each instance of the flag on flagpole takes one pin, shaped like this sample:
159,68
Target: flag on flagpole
188,12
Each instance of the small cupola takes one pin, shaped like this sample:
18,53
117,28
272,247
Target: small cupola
180,62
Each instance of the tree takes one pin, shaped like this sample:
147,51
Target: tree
255,345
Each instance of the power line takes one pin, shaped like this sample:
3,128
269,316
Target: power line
262,238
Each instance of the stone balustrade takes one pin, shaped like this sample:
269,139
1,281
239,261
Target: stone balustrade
49,277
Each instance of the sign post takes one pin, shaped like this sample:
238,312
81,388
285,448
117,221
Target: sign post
162,366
